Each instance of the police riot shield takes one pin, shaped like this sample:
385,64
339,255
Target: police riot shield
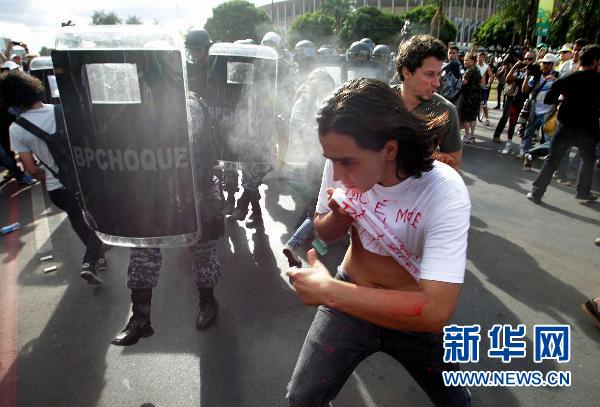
124,92
243,89
364,69
335,66
41,68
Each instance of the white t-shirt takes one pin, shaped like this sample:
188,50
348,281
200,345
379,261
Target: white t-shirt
540,106
429,215
483,70
23,141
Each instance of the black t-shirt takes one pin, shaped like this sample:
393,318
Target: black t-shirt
581,99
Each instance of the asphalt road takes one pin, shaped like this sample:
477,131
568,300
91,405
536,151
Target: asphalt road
529,264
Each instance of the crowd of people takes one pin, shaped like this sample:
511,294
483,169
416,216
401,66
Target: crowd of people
392,144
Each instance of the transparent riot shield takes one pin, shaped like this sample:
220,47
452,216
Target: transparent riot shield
41,68
123,91
243,81
336,67
365,69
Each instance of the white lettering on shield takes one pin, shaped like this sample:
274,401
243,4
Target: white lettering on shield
131,160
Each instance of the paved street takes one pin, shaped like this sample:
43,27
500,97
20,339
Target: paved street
526,264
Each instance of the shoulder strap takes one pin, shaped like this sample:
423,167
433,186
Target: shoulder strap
33,129
537,91
39,133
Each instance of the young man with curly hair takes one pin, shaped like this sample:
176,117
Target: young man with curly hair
26,93
419,66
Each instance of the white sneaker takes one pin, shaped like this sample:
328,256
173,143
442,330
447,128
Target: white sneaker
507,148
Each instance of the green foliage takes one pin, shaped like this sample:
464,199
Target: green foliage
315,27
420,18
134,20
339,10
238,19
381,27
100,17
575,19
496,30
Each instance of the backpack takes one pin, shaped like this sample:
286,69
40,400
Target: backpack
450,86
58,145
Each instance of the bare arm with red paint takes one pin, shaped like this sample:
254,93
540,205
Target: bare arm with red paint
426,310
334,225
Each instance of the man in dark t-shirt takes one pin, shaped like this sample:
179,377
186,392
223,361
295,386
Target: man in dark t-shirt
419,66
577,124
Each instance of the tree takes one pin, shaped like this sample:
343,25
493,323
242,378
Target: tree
382,28
496,30
421,17
100,17
575,19
238,19
339,10
134,20
315,27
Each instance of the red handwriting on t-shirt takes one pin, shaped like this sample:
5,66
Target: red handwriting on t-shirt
408,216
360,197
381,204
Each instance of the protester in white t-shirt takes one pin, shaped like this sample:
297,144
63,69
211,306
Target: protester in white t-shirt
380,154
487,77
26,93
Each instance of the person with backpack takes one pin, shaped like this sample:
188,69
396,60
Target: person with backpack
38,120
451,77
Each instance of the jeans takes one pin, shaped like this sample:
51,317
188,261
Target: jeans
568,165
65,200
503,119
566,137
301,234
532,127
337,343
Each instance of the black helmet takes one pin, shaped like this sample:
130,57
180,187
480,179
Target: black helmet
273,40
382,53
197,38
358,51
326,50
369,42
305,51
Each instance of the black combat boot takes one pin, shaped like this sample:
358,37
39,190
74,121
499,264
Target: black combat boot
241,211
208,308
256,219
139,325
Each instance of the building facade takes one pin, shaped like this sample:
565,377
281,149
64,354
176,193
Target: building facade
468,15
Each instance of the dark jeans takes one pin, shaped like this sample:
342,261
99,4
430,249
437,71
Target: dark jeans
337,343
566,137
503,119
66,201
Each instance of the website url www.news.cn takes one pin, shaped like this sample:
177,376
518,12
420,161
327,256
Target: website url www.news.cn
487,378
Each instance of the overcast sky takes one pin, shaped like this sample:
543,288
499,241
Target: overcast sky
35,22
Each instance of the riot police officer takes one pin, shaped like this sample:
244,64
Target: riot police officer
382,55
305,54
358,51
197,43
145,263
